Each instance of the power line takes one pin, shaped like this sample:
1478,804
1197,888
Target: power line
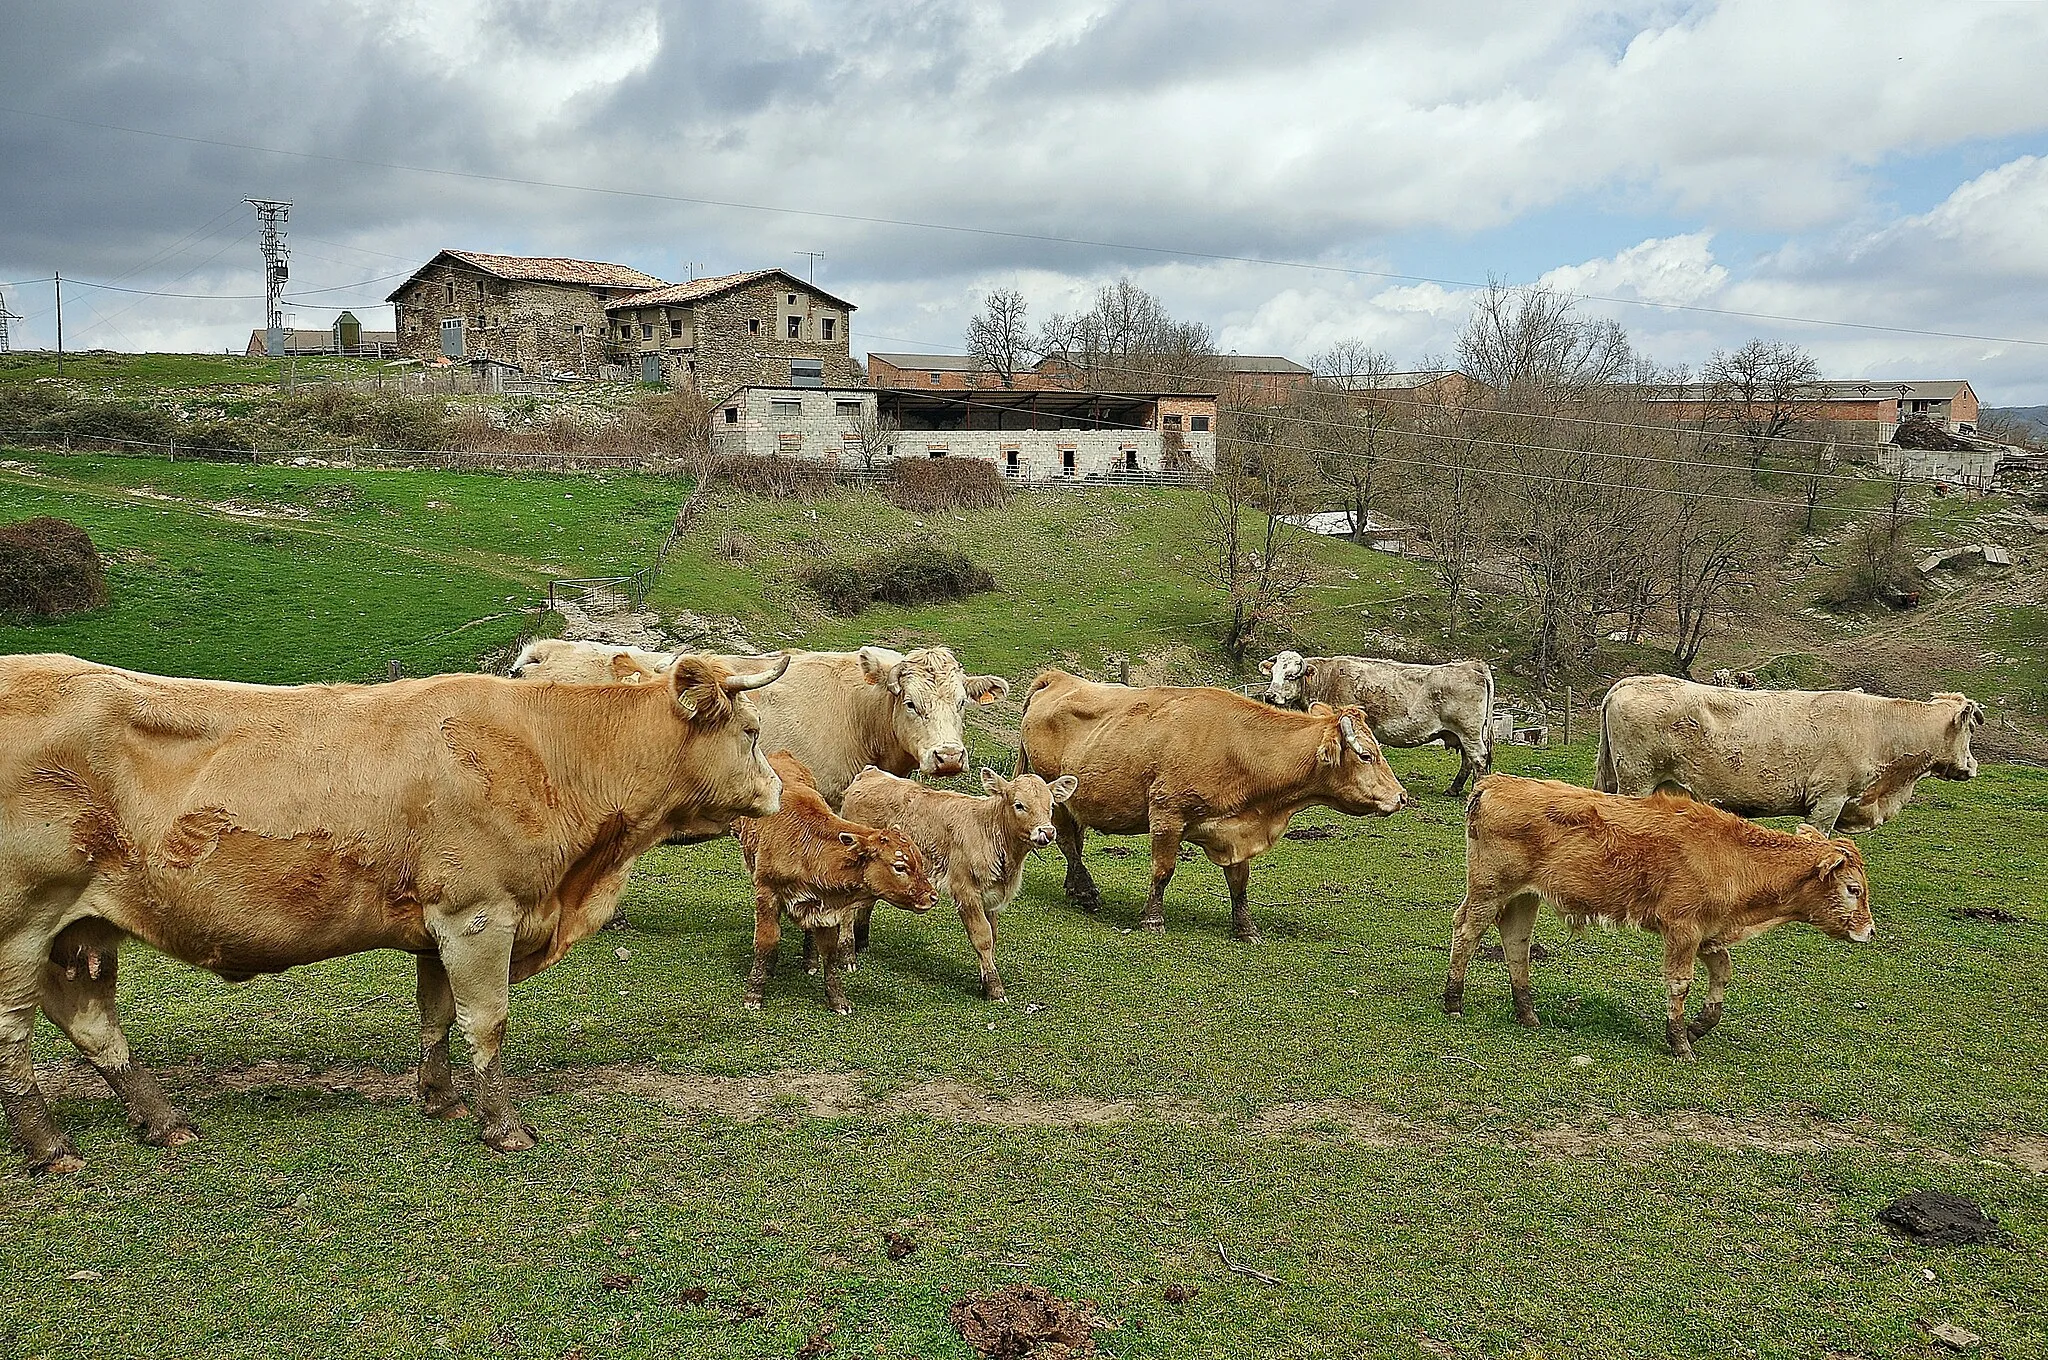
1002,233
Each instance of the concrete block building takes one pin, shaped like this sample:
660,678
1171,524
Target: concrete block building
544,314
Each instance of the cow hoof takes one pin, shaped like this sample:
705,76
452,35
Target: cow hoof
1250,935
1454,1000
63,1162
1155,924
851,964
811,970
176,1136
752,1003
842,1009
994,994
446,1109
1684,1054
1527,1020
513,1137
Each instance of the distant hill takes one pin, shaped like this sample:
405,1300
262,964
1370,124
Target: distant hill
2036,416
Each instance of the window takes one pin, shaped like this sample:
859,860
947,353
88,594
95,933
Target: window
675,328
789,445
936,450
796,328
792,299
786,406
935,379
647,332
451,292
732,415
754,327
806,372
1198,424
1067,461
846,408
1173,422
825,329
1010,461
1130,459
579,330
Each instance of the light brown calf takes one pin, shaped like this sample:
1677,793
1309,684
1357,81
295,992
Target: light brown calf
821,869
979,844
1702,878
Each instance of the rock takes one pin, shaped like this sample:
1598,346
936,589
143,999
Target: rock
1954,1337
622,953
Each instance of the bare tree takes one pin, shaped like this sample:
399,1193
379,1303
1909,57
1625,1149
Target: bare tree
1127,340
1530,345
1353,425
1449,503
869,435
1759,394
1261,564
996,337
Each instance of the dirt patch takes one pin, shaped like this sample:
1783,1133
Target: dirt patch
2027,1152
818,1095
1312,833
962,1103
1022,1320
1995,915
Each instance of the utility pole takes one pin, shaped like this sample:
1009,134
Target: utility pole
272,214
5,317
57,276
814,256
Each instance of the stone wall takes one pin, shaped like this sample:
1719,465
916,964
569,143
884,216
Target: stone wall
741,337
542,327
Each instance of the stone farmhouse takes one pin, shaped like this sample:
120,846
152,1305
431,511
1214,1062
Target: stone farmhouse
545,315
762,327
1032,434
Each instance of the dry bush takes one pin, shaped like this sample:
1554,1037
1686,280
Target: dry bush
670,424
925,485
734,546
916,573
48,568
778,478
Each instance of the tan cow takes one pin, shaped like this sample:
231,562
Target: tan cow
1835,757
1206,766
484,826
837,712
978,844
822,871
1702,878
1405,703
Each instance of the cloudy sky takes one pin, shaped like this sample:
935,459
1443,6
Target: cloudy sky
1293,174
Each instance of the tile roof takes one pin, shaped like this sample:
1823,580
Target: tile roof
698,289
939,363
551,269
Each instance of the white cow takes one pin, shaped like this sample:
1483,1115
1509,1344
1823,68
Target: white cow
1406,704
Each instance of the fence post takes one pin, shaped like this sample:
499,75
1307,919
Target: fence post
396,670
171,450
1567,715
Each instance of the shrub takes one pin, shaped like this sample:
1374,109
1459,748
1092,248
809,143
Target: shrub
115,421
48,568
791,478
924,485
916,573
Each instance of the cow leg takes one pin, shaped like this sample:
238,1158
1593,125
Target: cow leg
826,941
81,1003
1827,812
438,1097
35,1133
1467,767
1719,969
1517,925
478,958
981,932
861,919
1239,878
1080,886
1475,917
1165,859
1680,956
767,935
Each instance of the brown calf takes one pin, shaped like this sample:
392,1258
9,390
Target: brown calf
978,843
1702,878
822,870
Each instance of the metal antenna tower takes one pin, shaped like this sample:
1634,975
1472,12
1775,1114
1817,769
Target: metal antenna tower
272,214
5,317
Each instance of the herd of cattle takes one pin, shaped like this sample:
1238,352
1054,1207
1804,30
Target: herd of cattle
487,824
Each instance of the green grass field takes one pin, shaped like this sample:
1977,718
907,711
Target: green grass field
1419,1186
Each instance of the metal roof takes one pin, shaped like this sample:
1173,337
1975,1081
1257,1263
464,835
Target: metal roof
940,363
1260,363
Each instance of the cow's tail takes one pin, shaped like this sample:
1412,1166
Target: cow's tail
1486,724
1604,777
1023,764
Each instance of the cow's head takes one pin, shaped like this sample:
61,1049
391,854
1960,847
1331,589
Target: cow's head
1953,760
584,663
928,693
892,867
1355,777
722,773
1840,888
1286,672
1025,803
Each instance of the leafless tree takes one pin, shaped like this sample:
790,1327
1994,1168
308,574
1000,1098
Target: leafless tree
997,339
868,435
1450,504
1127,340
1353,427
1261,564
1530,345
1759,395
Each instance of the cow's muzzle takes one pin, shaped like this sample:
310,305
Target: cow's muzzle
945,761
1042,836
1865,935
